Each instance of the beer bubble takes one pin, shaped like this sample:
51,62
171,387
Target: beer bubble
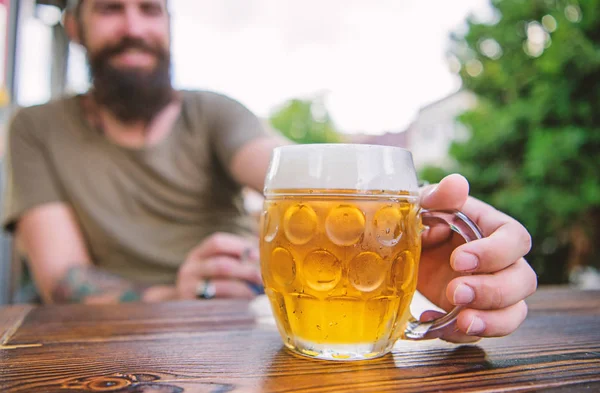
271,220
413,223
345,225
282,266
388,226
300,223
367,271
322,270
403,271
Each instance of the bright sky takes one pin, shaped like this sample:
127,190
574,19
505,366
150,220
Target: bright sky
377,61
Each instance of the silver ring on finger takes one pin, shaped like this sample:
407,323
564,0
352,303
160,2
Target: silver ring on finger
206,289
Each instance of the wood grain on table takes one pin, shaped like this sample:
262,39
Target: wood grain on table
233,346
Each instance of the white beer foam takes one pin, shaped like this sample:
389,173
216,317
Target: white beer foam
341,166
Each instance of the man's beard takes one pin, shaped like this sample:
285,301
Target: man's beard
131,95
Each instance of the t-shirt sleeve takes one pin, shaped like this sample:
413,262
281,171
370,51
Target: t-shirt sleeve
232,126
29,178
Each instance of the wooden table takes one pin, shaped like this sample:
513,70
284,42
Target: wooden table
222,346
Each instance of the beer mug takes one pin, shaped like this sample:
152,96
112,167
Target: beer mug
340,244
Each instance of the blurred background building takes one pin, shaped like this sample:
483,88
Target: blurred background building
432,132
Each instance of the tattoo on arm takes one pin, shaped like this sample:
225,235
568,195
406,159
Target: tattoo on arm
88,284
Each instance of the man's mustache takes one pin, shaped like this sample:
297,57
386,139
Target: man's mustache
128,44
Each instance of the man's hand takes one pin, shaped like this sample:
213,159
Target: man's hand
220,259
488,276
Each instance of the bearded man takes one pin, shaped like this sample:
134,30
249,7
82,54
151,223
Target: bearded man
132,191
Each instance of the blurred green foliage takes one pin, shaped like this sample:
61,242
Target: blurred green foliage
534,150
305,121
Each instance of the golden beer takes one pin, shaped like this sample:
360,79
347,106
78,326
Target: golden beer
340,246
340,268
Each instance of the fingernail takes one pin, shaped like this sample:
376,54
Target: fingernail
476,327
429,193
463,294
465,261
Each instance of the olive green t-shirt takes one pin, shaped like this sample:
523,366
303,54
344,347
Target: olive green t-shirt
140,210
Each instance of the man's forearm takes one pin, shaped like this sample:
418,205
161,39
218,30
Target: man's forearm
88,284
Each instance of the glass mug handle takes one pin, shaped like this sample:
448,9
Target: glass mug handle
464,226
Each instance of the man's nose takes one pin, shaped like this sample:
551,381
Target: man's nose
133,23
